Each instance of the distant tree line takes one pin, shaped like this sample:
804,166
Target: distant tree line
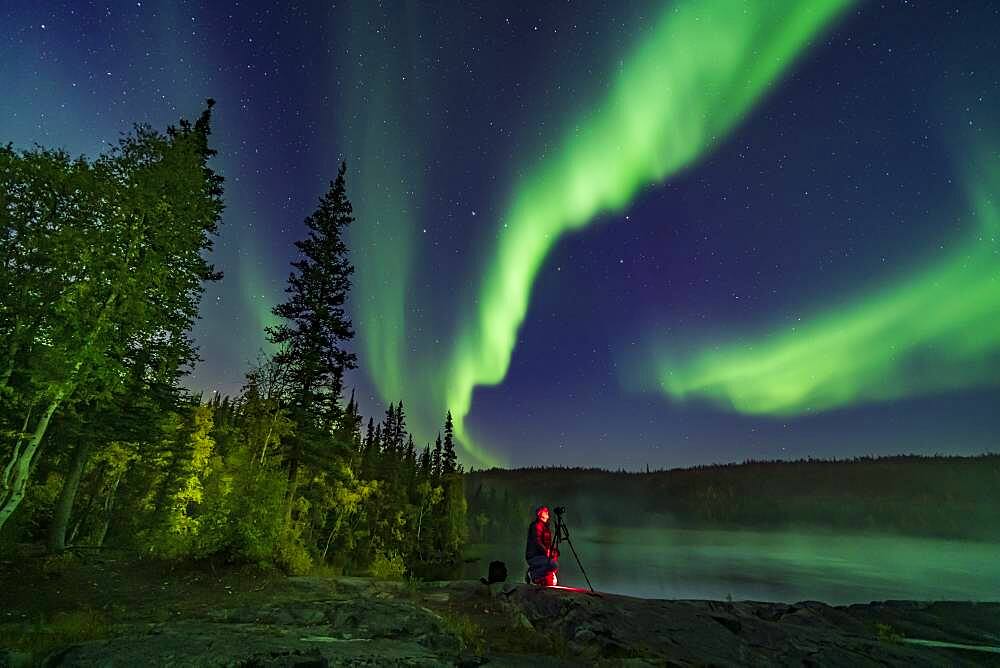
940,496
101,445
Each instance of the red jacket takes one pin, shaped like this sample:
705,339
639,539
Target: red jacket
539,541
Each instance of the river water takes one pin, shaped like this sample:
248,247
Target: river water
768,566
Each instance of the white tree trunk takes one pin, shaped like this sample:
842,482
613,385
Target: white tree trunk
8,470
267,438
14,486
336,528
13,490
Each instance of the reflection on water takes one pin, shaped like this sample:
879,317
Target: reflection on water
769,566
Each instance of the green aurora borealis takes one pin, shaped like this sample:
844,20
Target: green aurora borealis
664,233
933,330
680,91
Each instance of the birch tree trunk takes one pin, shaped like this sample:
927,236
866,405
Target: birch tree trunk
333,532
267,437
13,492
21,465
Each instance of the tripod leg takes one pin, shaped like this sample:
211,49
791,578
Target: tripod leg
562,534
577,557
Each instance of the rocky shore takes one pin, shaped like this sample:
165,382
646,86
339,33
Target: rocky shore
314,621
719,633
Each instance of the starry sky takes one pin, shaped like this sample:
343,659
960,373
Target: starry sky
664,234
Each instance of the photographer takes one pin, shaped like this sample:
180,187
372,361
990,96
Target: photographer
541,555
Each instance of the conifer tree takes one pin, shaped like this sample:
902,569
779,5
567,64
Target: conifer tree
316,325
373,455
366,444
389,430
424,463
348,430
436,458
410,455
399,429
410,468
449,461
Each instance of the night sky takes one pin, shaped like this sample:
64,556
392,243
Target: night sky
665,234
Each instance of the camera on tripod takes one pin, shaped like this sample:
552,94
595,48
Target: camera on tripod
562,534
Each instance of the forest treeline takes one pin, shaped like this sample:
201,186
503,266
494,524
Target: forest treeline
939,496
103,264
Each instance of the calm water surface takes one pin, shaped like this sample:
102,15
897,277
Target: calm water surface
769,566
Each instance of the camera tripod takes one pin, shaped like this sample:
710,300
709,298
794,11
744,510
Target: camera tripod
562,534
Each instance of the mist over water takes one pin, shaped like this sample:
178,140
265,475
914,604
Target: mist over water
781,566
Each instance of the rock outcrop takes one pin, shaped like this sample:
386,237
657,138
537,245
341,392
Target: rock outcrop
319,622
606,626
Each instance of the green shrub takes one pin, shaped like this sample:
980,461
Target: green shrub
388,566
293,557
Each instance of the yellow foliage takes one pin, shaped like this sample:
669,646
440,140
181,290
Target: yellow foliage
388,566
191,491
292,553
202,444
46,494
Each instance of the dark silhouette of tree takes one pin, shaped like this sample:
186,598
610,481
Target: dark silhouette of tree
348,429
311,340
436,458
424,463
449,460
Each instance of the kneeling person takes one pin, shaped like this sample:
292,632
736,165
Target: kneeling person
542,558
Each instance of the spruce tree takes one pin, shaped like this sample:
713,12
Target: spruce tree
449,461
389,430
424,463
348,430
369,457
369,436
316,326
410,455
400,428
410,467
436,458
377,456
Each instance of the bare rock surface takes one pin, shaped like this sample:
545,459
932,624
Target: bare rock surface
334,633
319,622
660,632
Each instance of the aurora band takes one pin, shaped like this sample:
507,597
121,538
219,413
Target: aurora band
684,87
936,330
